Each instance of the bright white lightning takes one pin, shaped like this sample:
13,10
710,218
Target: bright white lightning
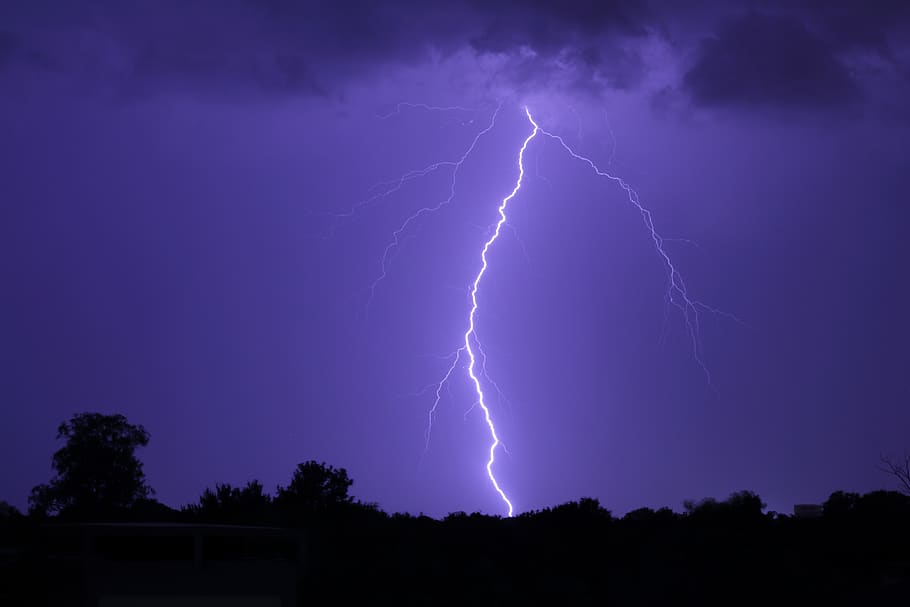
470,336
676,294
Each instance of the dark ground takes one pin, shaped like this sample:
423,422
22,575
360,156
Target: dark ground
730,552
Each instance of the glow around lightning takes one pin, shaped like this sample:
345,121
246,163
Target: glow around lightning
677,294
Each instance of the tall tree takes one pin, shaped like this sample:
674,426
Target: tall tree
97,471
315,489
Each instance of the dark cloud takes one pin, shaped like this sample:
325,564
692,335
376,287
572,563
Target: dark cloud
791,56
598,42
852,24
274,72
294,47
766,60
14,52
551,27
8,45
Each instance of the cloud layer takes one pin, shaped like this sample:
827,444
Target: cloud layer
787,55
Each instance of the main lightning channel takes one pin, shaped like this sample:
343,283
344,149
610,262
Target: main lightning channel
470,336
677,292
676,295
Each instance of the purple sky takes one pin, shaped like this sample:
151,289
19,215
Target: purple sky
169,171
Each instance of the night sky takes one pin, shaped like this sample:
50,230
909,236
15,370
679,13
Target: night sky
182,241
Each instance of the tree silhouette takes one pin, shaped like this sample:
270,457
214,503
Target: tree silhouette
97,472
233,505
7,510
740,506
9,518
840,504
315,489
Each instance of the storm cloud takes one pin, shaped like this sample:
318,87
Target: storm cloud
726,54
765,60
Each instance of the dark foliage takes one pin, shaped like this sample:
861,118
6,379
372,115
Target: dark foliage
97,471
248,505
742,507
316,490
578,553
715,551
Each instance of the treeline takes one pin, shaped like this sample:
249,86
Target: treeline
857,551
715,551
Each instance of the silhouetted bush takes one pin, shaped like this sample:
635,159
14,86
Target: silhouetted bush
248,505
883,507
740,507
840,504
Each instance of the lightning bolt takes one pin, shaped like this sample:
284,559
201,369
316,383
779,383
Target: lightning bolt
395,242
470,337
677,293
385,189
430,108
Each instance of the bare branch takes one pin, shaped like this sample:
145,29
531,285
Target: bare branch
898,469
